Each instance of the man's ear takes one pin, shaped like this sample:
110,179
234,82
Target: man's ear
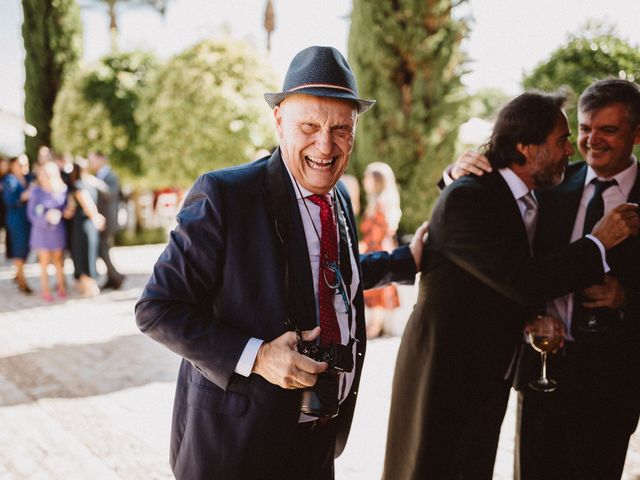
525,150
277,114
636,138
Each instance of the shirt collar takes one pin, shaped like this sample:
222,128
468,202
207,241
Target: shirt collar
518,188
104,170
626,178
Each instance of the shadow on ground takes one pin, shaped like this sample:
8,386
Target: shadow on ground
14,300
70,371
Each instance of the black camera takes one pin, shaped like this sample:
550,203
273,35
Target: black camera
338,356
321,400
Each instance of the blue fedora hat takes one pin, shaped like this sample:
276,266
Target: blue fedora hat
323,72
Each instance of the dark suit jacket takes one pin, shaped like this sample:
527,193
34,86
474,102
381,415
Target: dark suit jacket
479,285
108,202
220,281
616,349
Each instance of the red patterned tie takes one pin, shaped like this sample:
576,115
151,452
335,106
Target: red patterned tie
328,256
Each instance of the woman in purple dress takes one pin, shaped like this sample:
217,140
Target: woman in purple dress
45,209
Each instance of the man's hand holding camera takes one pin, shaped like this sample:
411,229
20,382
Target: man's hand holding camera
279,362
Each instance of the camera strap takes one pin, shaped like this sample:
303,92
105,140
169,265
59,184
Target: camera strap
344,252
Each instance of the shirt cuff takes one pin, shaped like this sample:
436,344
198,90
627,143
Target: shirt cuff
446,176
603,252
248,357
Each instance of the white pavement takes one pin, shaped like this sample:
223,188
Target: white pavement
84,395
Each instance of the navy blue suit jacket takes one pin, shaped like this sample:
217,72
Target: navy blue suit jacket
221,281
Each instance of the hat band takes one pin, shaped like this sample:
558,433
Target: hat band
321,85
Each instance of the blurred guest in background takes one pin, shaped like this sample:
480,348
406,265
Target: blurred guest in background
87,223
379,226
15,195
47,202
108,201
353,187
65,165
4,169
44,155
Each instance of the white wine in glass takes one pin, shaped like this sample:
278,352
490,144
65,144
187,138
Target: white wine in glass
544,337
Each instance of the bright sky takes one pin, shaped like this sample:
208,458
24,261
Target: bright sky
508,37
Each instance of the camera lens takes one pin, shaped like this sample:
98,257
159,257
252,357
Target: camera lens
321,399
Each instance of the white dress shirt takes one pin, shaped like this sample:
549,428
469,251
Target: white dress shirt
310,214
518,188
613,196
103,172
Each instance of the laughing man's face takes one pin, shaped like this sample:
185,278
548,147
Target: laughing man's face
316,138
606,138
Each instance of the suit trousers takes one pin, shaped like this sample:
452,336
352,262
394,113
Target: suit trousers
581,430
105,244
311,456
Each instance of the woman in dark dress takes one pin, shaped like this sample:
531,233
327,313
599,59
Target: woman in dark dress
15,194
87,223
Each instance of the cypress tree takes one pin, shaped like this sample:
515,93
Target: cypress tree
53,41
407,55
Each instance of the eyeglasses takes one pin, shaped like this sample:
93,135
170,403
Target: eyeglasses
338,285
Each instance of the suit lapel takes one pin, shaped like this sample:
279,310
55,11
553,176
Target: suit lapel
283,208
353,236
346,225
558,209
511,208
620,258
634,194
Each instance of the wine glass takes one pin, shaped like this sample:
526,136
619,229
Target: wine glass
544,336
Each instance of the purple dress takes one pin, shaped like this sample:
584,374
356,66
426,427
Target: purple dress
44,235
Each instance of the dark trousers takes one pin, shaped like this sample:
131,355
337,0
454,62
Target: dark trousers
312,453
85,247
477,447
456,439
581,430
106,242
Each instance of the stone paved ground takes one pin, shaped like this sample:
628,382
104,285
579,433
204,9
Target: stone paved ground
84,395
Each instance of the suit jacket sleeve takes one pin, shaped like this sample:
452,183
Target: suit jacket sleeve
177,307
477,237
382,268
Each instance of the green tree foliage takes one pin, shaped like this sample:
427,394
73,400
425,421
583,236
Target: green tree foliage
95,109
203,110
487,102
594,53
52,35
406,55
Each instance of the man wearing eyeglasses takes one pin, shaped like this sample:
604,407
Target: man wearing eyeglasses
260,292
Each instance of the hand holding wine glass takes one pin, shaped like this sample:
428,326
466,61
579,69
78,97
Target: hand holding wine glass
545,334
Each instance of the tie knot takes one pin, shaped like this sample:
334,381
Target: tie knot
320,200
529,201
602,185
